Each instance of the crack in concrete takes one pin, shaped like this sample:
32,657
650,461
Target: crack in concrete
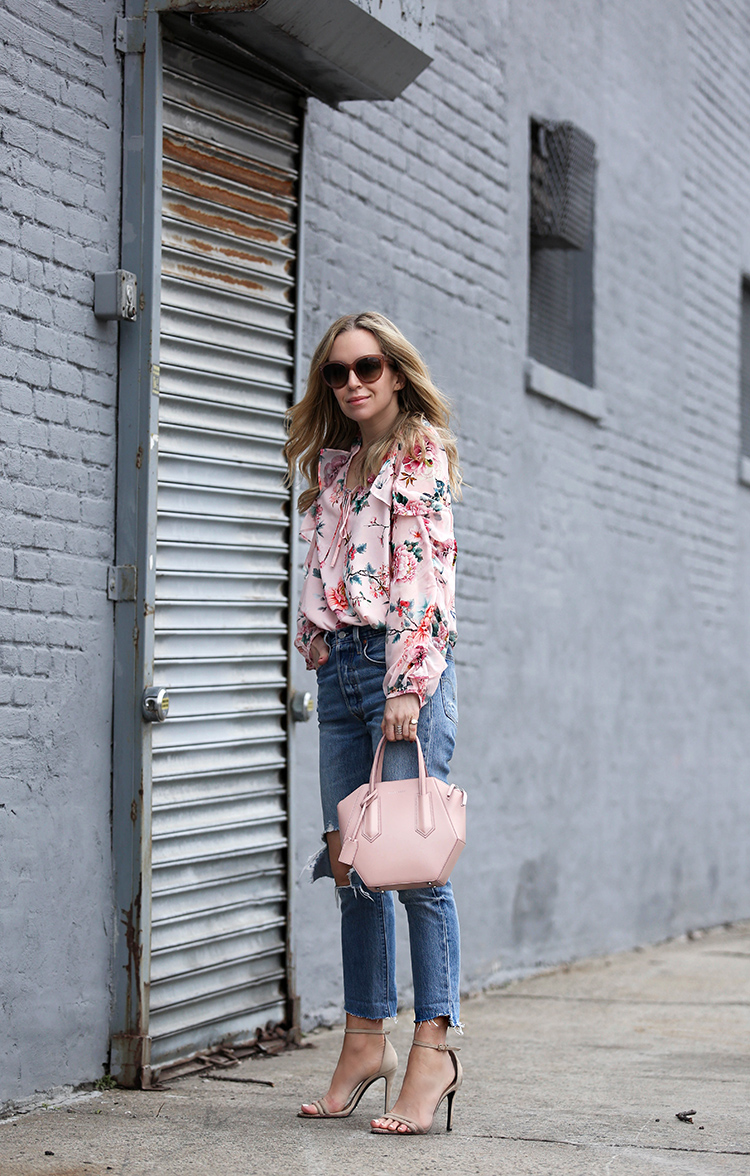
626,1000
700,1151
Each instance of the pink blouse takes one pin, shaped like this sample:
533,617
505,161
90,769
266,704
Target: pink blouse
384,556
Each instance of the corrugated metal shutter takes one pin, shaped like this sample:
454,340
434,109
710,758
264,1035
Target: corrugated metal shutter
218,953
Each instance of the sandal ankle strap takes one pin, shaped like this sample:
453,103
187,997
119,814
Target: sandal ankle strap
441,1048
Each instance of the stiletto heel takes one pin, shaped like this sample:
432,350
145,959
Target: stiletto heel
449,1093
387,1070
449,1122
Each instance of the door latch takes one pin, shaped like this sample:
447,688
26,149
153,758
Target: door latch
301,705
122,582
116,295
155,704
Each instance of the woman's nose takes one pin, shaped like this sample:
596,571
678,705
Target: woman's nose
353,381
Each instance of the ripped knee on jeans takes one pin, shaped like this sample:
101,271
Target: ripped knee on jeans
341,873
354,885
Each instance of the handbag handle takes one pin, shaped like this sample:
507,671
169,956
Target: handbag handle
425,822
376,775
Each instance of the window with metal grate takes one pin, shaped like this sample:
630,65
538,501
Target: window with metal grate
561,244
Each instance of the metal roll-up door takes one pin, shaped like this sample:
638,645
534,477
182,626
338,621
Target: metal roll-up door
218,940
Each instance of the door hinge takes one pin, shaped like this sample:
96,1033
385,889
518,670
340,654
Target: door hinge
122,581
130,34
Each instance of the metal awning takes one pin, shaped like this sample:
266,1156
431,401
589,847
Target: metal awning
338,50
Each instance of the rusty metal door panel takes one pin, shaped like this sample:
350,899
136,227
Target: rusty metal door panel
221,387
221,473
237,333
256,427
225,304
231,144
178,791
221,558
204,355
218,946
225,242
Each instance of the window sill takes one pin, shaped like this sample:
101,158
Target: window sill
552,385
744,470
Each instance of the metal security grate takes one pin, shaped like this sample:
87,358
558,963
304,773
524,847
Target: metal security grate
562,185
561,254
218,951
561,308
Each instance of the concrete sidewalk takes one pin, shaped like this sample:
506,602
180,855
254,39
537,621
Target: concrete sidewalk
581,1070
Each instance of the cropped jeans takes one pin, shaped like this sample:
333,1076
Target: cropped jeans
350,710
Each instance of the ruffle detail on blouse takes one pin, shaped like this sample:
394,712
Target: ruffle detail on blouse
422,487
308,525
382,487
331,463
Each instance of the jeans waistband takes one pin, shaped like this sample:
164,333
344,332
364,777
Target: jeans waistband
352,635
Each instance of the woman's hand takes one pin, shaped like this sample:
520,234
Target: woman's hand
319,651
400,717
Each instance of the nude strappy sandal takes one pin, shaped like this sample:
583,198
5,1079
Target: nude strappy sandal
449,1093
388,1066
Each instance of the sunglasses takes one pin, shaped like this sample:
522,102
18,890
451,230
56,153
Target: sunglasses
368,369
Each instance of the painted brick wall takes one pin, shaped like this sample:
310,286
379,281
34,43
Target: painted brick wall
604,586
59,222
603,575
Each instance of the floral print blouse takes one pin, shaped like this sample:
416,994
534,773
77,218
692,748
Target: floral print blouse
384,555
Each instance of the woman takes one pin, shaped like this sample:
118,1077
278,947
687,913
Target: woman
377,623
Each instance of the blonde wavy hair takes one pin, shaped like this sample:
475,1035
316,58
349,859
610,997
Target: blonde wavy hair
317,422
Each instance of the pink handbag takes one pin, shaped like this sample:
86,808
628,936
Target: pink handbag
402,834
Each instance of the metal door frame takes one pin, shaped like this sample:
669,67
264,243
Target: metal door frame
139,39
135,546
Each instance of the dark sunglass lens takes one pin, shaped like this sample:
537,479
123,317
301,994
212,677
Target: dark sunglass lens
335,374
369,367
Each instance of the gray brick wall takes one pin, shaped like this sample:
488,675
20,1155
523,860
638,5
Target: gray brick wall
59,194
604,587
603,624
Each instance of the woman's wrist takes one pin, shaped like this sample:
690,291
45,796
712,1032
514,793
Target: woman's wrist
401,717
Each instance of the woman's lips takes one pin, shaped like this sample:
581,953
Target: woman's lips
356,400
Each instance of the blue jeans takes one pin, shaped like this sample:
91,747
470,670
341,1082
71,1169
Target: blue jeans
350,710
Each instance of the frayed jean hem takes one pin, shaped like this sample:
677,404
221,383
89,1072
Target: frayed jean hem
432,1012
371,1012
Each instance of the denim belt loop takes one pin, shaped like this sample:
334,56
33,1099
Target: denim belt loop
355,637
